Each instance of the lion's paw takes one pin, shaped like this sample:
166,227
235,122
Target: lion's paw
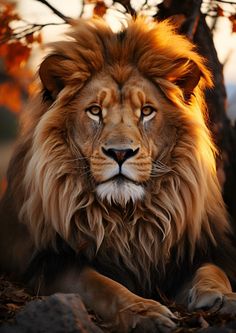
146,316
206,300
229,304
213,301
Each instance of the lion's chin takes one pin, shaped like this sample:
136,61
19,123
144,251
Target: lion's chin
120,192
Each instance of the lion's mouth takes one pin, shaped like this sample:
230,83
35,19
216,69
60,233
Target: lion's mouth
120,179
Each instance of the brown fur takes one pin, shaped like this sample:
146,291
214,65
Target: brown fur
58,164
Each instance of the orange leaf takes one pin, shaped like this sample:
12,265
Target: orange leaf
17,55
100,9
3,50
220,11
234,27
8,7
38,38
30,38
10,96
34,37
7,15
232,18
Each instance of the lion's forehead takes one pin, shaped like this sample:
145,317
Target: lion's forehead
107,91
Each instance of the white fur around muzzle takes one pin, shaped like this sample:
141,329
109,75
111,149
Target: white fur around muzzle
120,193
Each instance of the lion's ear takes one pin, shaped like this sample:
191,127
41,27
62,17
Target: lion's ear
186,75
52,74
190,80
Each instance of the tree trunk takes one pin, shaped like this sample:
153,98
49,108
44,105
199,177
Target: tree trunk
193,24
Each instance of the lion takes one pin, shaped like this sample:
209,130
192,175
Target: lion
112,190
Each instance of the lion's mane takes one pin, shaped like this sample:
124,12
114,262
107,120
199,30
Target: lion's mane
183,208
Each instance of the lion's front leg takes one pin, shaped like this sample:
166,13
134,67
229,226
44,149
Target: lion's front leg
211,290
119,308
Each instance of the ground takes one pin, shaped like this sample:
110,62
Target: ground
15,301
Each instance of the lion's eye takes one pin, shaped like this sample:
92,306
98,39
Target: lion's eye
147,112
94,112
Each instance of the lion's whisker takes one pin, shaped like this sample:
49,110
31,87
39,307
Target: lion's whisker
85,173
159,163
82,167
159,168
77,159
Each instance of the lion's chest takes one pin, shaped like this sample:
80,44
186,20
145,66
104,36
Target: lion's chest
131,250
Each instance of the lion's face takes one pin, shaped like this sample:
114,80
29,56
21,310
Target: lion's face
121,131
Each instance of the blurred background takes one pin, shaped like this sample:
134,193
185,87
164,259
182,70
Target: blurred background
26,26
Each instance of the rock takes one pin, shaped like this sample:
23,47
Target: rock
59,313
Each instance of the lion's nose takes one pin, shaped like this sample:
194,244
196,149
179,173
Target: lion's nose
120,155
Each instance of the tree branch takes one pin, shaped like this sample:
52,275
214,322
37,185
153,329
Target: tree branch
126,4
26,30
82,8
193,19
67,19
225,1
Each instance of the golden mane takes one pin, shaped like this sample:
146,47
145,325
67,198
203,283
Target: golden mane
183,207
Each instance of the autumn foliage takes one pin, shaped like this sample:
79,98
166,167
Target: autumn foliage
15,51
